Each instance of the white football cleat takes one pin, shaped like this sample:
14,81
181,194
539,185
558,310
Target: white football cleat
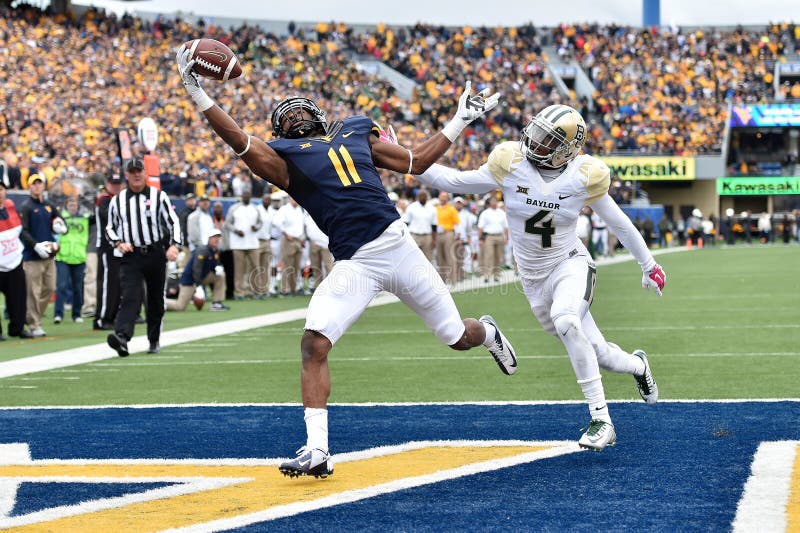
599,435
646,384
314,462
501,349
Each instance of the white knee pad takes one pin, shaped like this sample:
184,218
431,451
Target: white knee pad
567,325
580,350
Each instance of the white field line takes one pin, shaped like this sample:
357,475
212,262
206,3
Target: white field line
98,352
386,404
113,367
762,506
536,329
294,360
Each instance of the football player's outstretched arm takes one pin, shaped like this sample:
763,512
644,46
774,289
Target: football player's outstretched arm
459,181
394,157
486,178
619,223
262,160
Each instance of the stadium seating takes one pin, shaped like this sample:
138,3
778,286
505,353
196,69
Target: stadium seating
656,92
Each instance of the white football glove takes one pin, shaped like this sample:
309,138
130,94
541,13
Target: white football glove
655,278
42,249
59,226
469,108
219,270
189,78
200,293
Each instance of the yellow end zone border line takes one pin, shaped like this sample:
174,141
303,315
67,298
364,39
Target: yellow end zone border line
20,468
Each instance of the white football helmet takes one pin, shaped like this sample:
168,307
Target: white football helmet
554,136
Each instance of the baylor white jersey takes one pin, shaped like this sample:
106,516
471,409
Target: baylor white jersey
542,214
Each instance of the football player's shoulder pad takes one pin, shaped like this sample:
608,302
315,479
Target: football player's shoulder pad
504,159
595,176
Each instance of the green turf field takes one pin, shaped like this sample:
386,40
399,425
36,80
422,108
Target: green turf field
728,326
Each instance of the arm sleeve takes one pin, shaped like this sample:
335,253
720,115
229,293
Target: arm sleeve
625,231
465,182
25,235
102,210
200,258
113,216
229,218
171,218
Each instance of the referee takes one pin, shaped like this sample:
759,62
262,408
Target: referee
108,259
144,228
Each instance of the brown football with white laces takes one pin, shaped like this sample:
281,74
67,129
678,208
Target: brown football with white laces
213,59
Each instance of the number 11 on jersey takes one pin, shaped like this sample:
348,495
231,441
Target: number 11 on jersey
348,162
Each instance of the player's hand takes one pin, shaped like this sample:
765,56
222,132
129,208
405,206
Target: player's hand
59,226
654,279
125,247
199,293
469,108
185,64
472,107
190,81
41,249
172,253
387,135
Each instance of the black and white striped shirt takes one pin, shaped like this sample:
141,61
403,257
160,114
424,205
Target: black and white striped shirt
143,219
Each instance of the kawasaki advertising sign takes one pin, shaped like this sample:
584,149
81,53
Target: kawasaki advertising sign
651,168
758,186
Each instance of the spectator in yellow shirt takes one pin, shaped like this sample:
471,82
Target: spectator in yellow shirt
446,219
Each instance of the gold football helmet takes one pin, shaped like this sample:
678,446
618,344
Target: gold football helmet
554,136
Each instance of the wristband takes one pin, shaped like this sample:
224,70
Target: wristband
203,101
246,148
410,160
454,128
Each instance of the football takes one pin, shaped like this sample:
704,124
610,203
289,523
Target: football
199,298
213,59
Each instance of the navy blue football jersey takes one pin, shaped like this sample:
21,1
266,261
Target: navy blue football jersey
334,179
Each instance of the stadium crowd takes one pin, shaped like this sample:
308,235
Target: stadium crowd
657,91
668,92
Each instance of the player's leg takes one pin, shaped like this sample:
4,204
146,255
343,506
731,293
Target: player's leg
238,273
275,249
336,304
185,293
155,283
418,285
612,357
559,302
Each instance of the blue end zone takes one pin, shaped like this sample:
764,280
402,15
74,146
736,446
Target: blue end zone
677,466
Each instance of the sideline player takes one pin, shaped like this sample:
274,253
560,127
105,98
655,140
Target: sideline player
330,170
546,184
